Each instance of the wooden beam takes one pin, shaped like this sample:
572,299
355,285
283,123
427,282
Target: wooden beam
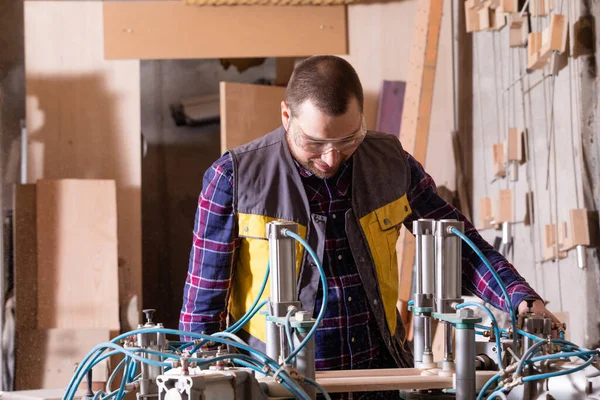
414,129
171,29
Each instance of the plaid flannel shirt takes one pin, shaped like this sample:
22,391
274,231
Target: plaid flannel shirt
348,337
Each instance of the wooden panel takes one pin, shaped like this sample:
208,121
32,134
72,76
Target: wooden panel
248,112
391,102
416,118
499,160
514,148
83,119
505,208
165,30
77,254
25,244
486,215
48,358
554,37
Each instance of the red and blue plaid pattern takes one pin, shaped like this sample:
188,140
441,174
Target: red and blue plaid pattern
349,337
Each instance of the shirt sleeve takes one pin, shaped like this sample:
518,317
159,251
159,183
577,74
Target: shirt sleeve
477,279
215,241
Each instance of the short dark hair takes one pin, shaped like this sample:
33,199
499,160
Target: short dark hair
330,82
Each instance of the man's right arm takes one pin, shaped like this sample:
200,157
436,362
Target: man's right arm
215,241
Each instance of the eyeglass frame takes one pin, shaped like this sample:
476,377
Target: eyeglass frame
358,136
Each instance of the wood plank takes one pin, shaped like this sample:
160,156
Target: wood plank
77,254
49,357
83,119
372,382
248,112
25,244
355,373
505,208
166,30
416,118
391,103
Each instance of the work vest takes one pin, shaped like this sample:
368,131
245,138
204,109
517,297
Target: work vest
268,187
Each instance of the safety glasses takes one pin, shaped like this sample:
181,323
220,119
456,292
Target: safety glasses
322,146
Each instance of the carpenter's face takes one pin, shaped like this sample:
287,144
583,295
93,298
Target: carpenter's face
320,142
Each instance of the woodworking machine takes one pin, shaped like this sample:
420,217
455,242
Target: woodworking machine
519,362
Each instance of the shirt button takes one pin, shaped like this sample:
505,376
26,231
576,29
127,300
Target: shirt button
349,298
375,302
340,257
352,340
333,216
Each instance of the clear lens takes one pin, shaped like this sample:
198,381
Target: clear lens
321,147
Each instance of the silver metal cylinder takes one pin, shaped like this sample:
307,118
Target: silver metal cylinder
506,232
273,343
513,170
305,361
151,341
448,351
418,338
423,229
282,256
448,265
581,256
428,337
465,364
282,259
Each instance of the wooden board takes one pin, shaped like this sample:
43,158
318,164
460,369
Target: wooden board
25,256
48,358
172,29
416,118
77,254
248,112
391,103
83,120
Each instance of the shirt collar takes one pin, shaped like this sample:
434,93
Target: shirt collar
342,179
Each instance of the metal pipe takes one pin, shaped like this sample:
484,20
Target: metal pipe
305,360
282,256
581,256
448,266
465,364
282,259
513,170
448,350
423,230
418,338
506,233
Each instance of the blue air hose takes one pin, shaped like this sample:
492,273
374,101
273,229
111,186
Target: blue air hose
495,275
324,300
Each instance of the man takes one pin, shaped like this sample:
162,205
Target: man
350,191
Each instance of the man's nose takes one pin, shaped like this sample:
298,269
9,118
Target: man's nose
331,158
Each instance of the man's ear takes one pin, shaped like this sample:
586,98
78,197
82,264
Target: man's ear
285,115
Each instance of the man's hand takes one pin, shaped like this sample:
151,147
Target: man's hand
538,307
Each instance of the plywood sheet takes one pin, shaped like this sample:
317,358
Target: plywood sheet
77,254
168,29
25,245
248,112
48,358
83,120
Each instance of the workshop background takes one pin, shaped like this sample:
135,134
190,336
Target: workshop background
108,126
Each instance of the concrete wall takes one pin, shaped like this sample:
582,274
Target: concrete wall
566,287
